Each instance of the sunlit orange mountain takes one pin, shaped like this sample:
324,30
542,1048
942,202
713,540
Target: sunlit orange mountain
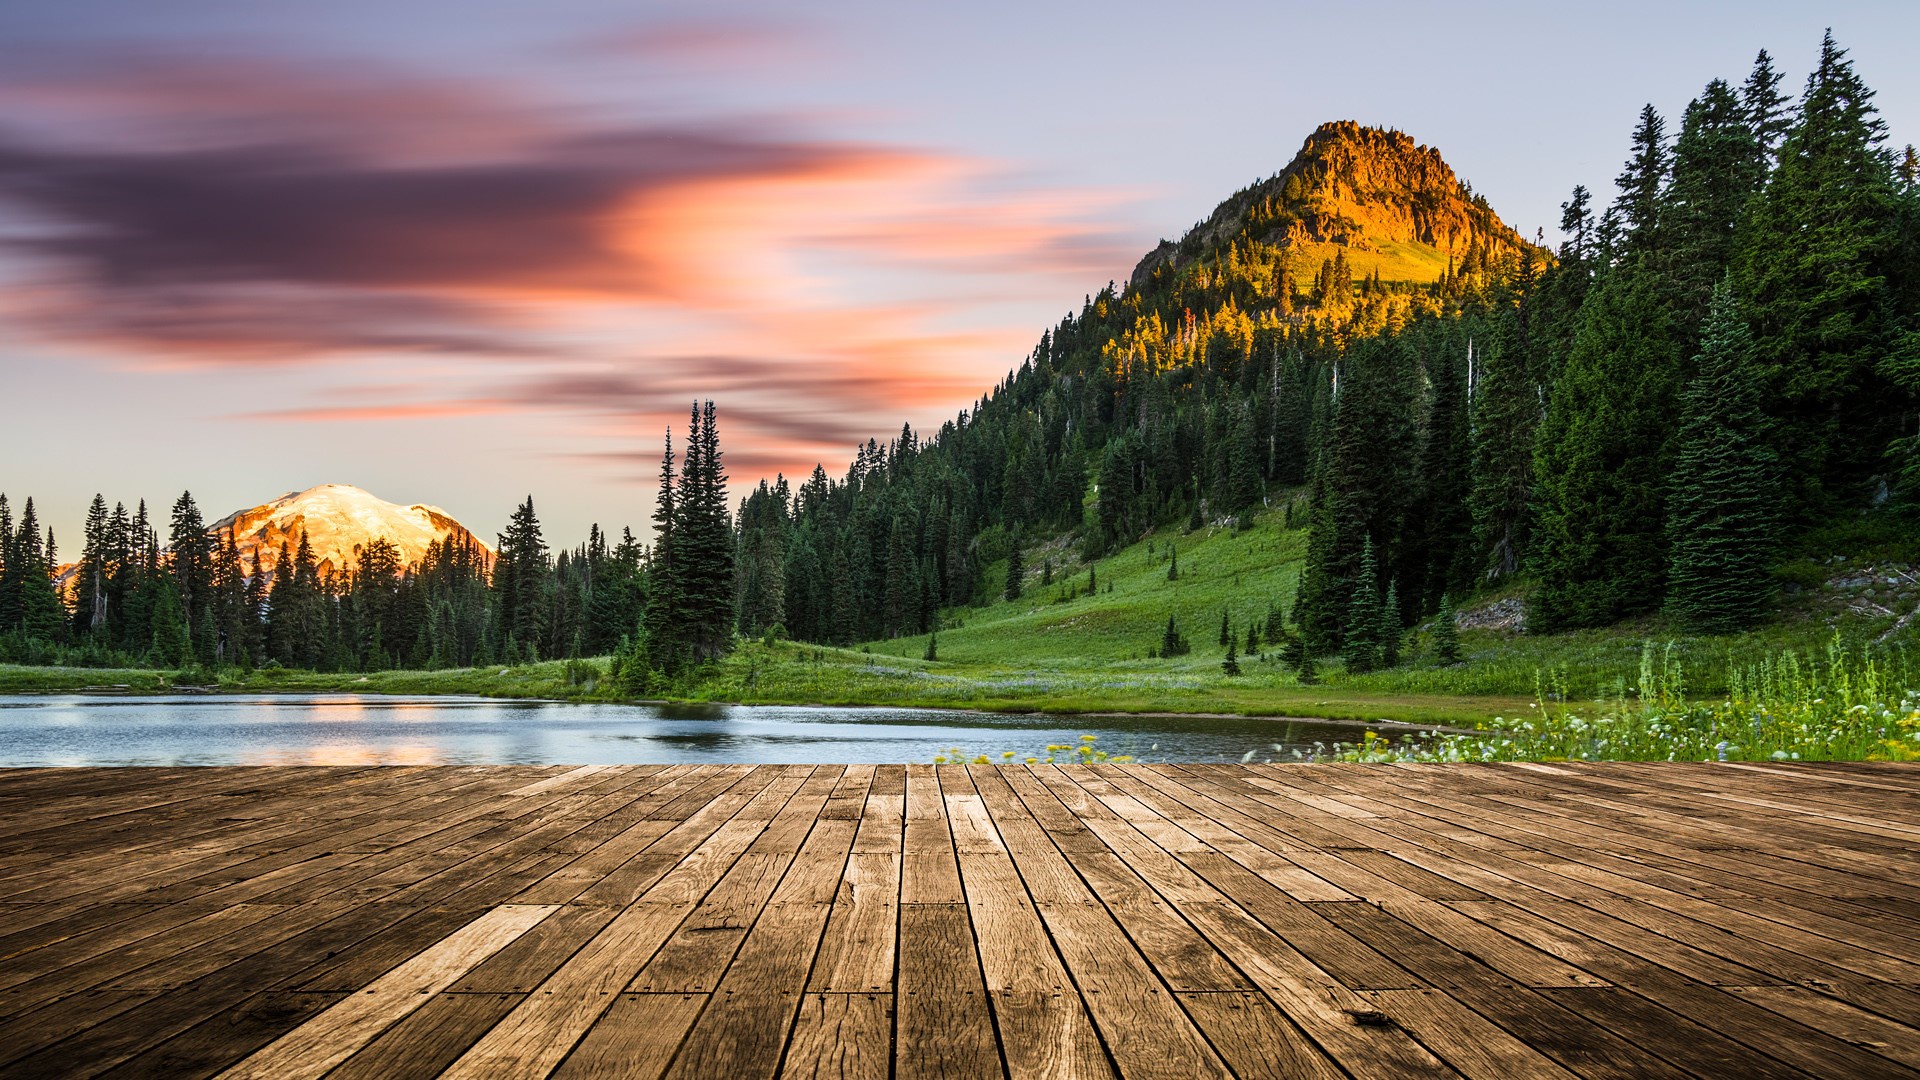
1375,197
339,519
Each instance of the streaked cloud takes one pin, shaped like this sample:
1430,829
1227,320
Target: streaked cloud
541,259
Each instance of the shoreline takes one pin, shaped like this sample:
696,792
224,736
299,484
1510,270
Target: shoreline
1358,723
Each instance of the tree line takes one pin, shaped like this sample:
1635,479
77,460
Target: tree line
194,600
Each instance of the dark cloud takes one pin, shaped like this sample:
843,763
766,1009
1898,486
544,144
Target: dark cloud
310,240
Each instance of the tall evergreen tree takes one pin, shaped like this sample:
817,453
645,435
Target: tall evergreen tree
520,582
1363,615
703,542
665,615
190,560
1642,180
1722,514
1718,167
1602,460
1810,265
1768,112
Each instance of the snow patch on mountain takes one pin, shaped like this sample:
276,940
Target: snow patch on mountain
338,519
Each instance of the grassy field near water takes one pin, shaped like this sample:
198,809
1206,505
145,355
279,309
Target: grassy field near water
1828,678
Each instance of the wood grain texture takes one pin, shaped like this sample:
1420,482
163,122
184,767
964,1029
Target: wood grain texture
1314,921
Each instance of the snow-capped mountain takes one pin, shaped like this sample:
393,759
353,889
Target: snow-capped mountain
338,519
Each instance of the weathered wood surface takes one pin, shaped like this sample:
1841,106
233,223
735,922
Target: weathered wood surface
905,921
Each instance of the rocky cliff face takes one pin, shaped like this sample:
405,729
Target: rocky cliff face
338,519
1361,189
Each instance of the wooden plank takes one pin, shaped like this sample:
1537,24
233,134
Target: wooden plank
929,873
533,1038
1893,1041
841,1036
1463,1038
944,1025
746,1026
1256,1038
316,1046
857,952
634,1039
429,1038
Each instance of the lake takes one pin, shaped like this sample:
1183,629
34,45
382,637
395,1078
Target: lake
349,729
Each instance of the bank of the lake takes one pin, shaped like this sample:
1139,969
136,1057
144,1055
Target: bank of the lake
786,674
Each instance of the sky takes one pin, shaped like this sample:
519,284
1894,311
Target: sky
462,252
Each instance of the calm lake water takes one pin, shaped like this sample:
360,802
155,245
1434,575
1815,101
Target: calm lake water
345,729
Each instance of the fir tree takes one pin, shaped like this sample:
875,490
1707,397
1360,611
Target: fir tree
1386,634
933,647
520,579
190,560
1602,461
1809,266
1721,515
1172,644
1226,629
1640,183
665,617
1016,571
1230,665
703,539
1765,109
1244,486
93,576
1363,615
1718,167
42,617
1446,633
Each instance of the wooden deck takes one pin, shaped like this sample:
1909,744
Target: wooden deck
908,921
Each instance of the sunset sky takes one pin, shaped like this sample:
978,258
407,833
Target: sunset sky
459,252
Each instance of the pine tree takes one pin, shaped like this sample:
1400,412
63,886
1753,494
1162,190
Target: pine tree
1363,615
521,582
1016,571
190,560
1173,563
1810,266
1226,630
665,617
1386,635
43,617
1718,167
704,542
1721,516
93,576
1230,665
1172,644
1641,182
1244,487
933,647
1765,109
1446,633
1602,461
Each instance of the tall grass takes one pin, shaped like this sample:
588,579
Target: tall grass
1843,703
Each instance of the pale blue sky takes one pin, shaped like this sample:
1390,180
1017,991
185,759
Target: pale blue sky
851,218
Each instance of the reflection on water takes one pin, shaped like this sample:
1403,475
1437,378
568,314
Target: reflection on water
347,729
